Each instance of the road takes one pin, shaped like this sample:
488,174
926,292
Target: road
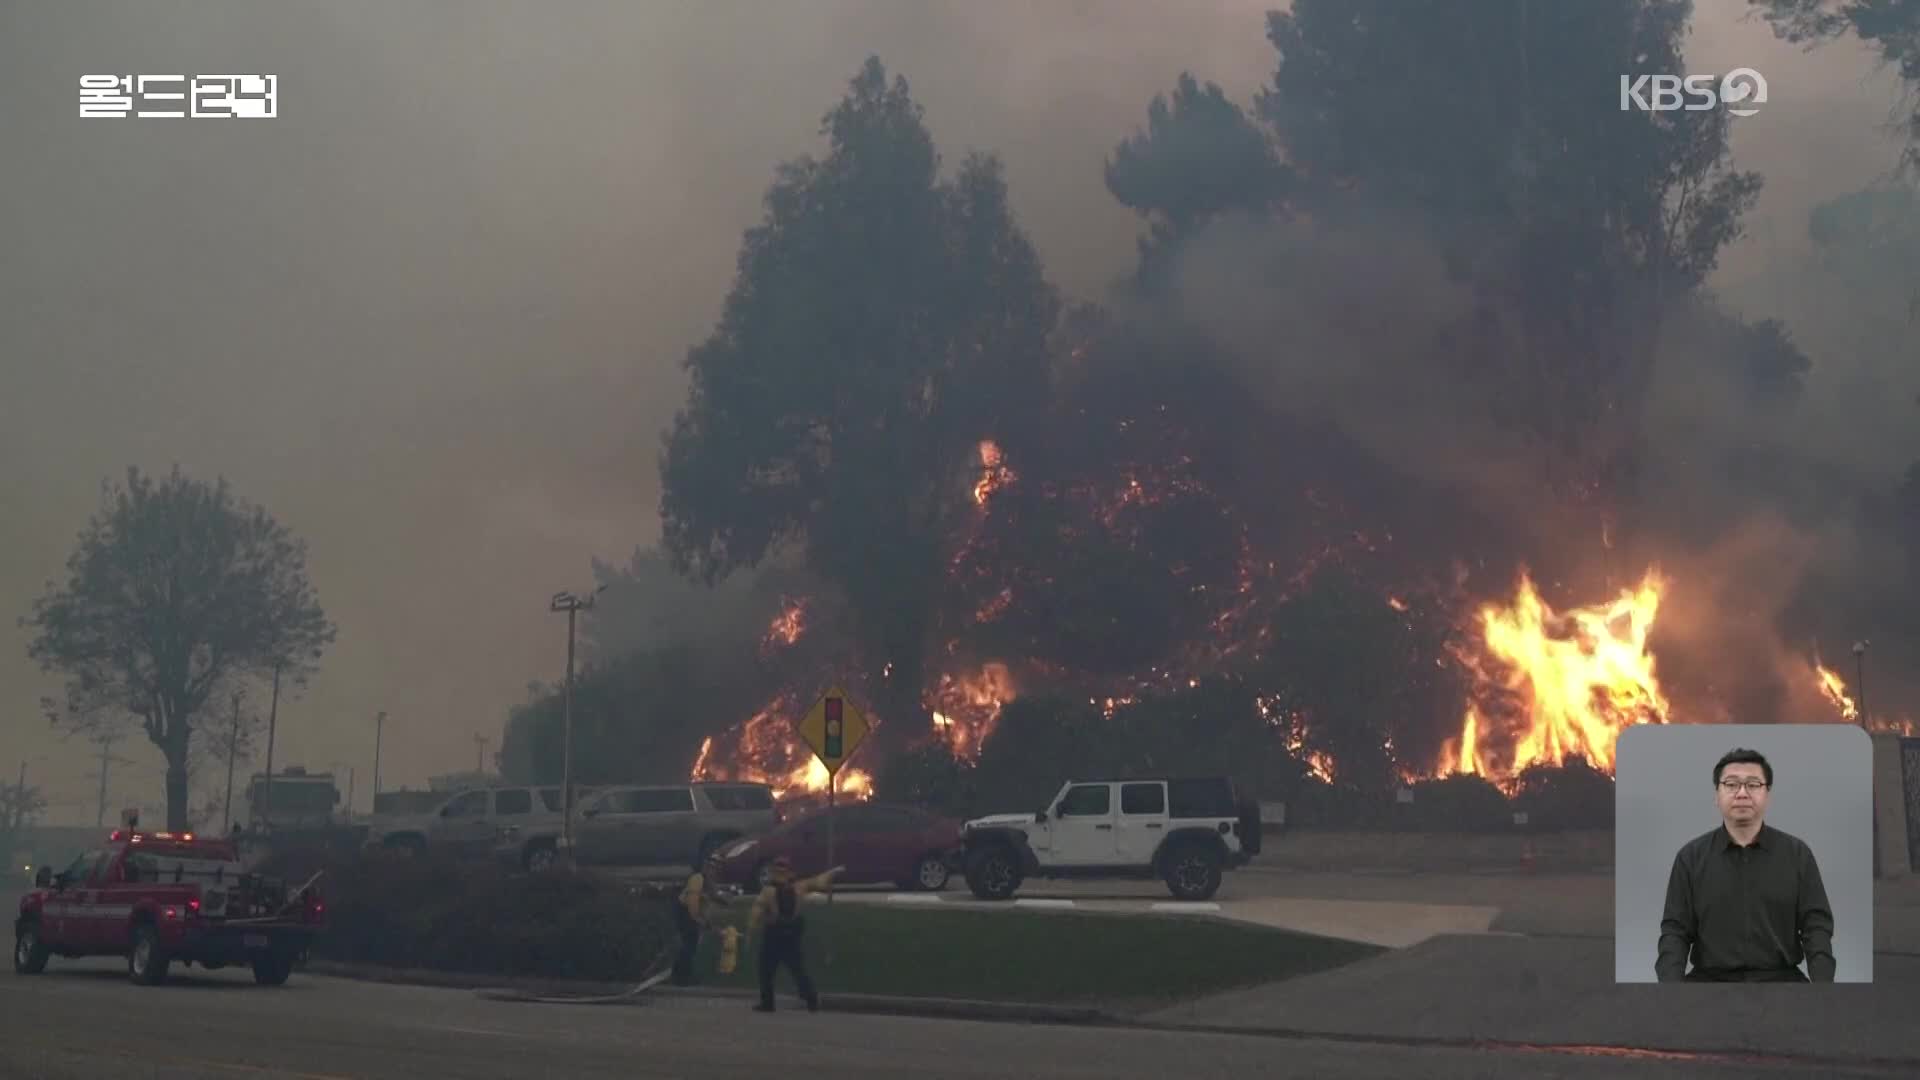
83,1020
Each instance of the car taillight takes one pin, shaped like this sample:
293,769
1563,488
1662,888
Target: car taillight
193,907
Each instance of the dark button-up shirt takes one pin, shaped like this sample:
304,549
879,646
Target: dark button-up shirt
1740,912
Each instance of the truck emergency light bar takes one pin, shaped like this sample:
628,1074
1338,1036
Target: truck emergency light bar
136,837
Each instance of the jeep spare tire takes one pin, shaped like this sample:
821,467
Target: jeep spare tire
993,872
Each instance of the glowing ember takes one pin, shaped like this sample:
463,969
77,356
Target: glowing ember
1320,766
787,626
1549,686
1396,603
995,607
994,473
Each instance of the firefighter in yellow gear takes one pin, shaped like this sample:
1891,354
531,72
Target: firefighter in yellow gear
692,912
778,909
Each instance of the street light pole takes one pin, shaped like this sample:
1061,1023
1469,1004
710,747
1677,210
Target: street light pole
233,751
572,605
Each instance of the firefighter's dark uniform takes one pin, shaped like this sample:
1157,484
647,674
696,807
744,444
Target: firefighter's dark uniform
778,908
689,916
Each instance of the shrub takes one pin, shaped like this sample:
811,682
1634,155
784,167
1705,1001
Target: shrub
1457,803
1570,796
437,913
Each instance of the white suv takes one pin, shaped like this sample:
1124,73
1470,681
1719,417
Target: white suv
1186,832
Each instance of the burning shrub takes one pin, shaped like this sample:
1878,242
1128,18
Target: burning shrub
1571,796
446,915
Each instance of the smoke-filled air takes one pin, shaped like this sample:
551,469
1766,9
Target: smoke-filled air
1377,401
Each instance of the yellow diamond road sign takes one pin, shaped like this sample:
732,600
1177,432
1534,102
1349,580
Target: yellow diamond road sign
833,729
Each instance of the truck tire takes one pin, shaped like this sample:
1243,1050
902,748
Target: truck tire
410,845
540,857
272,968
147,963
993,872
1192,871
29,952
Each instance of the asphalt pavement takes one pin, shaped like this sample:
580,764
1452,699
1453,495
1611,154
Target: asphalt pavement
84,1020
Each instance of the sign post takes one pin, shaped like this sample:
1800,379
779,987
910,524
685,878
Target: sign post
833,729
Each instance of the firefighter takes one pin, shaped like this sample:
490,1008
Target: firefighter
692,913
778,908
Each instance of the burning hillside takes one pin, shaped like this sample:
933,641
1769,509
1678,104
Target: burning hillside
1116,561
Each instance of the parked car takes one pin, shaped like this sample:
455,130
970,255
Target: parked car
470,822
648,825
876,842
1187,832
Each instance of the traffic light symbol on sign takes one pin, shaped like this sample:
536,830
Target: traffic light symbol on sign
834,728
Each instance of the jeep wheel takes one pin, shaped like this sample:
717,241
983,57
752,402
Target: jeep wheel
410,846
146,963
763,875
1193,872
993,873
29,952
540,857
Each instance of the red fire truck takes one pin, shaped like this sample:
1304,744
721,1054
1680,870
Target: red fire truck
158,898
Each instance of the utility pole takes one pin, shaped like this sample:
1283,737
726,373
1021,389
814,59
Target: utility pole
107,738
572,605
20,789
273,720
233,751
379,727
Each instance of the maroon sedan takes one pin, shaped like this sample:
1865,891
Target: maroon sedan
877,843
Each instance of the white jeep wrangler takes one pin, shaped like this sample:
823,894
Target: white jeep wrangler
1186,832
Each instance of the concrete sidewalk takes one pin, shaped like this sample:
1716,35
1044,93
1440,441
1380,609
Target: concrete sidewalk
1561,991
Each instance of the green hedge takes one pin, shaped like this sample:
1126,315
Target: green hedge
445,915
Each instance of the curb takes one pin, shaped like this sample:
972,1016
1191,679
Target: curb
876,1004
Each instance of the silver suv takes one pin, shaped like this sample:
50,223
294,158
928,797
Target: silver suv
650,825
471,821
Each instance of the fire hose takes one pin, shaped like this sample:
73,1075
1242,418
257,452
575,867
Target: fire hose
657,973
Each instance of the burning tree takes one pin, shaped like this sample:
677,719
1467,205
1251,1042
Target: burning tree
884,321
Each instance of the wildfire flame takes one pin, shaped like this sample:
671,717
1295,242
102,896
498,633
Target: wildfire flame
787,626
1835,690
768,752
994,473
1551,686
965,709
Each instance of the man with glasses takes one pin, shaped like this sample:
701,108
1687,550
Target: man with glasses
1745,902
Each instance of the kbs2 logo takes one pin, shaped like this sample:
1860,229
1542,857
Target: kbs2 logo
1741,91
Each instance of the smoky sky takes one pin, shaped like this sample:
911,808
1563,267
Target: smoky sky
432,316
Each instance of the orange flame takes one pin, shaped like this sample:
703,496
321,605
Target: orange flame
994,473
767,751
1553,686
965,709
786,627
1834,689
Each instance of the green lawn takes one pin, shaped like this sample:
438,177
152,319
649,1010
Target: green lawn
1054,958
